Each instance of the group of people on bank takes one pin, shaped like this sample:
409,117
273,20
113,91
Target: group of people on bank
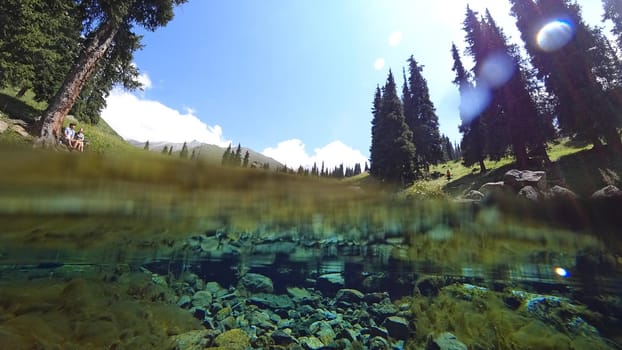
71,138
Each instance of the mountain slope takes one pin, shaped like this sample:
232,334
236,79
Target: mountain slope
208,152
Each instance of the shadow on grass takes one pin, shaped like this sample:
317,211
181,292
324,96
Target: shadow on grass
587,171
475,180
583,172
17,109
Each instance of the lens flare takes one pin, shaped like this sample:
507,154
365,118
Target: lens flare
497,69
474,100
560,271
555,35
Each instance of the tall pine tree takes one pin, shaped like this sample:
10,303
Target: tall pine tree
471,126
420,116
392,150
583,106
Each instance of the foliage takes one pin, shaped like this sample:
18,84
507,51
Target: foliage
38,41
421,118
472,126
613,12
392,150
511,119
584,104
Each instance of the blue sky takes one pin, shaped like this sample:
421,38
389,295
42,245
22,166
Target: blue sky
292,79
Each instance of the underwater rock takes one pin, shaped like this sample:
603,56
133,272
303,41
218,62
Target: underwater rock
376,297
202,299
311,343
256,283
184,301
234,339
300,295
397,327
379,343
193,340
271,301
330,283
383,310
349,295
215,289
445,341
323,331
282,338
607,192
518,179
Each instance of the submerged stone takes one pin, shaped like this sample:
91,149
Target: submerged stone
256,283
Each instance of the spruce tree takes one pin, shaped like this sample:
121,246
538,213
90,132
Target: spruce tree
393,152
247,158
146,148
170,150
184,151
522,122
420,116
226,156
472,126
236,159
584,107
165,150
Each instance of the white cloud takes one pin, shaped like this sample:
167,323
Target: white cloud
141,119
145,81
379,63
395,38
293,154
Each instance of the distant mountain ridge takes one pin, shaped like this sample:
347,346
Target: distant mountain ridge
208,152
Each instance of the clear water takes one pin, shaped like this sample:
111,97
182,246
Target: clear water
76,233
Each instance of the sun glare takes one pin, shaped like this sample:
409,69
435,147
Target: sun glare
379,63
555,35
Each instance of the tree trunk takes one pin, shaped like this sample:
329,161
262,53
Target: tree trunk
613,139
53,117
482,166
21,92
520,153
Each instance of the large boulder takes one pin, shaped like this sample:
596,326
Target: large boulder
493,187
517,179
529,192
559,192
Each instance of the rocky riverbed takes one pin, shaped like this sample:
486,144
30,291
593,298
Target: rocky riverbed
123,307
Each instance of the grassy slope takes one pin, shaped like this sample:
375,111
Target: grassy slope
102,138
575,166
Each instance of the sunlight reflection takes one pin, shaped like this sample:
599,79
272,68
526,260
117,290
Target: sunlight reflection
555,35
497,69
474,101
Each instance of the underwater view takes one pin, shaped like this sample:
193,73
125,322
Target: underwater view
310,175
104,252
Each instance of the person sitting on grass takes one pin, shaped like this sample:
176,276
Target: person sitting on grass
79,140
69,134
